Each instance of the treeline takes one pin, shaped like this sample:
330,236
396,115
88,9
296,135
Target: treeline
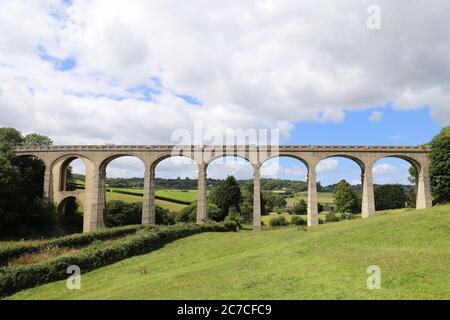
189,184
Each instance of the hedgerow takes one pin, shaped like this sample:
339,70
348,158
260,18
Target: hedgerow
146,240
72,241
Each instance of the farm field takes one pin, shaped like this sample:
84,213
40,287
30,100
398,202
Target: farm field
172,206
326,262
322,197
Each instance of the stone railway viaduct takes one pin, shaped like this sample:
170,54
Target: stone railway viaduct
96,159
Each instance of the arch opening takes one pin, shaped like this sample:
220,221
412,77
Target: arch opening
230,184
284,187
123,190
395,183
73,175
71,214
340,184
176,183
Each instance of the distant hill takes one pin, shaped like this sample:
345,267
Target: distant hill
189,184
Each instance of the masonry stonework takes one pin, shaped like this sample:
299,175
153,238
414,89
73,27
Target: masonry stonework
96,158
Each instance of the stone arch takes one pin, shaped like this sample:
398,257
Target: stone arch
228,155
360,162
163,157
421,186
61,208
410,159
287,155
104,163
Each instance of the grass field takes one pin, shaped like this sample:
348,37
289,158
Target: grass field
322,197
172,206
326,262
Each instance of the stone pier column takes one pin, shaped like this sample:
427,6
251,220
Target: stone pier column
424,199
202,205
148,205
368,200
47,194
96,196
256,198
313,216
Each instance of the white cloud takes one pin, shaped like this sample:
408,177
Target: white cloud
384,168
376,116
355,182
328,165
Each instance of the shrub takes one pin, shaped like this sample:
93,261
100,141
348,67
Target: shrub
230,224
348,216
332,217
119,213
148,239
301,207
298,221
321,221
236,216
279,221
187,214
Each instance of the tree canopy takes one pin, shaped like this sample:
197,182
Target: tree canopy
390,196
440,166
346,199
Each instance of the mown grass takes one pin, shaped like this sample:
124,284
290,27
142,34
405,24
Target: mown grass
326,262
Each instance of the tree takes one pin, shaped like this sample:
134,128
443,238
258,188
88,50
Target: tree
9,138
300,207
273,201
390,196
440,166
346,199
226,195
23,210
36,139
412,178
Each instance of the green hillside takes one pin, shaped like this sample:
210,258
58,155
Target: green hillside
329,261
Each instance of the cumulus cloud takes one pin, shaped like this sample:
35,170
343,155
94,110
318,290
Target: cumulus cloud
328,165
376,116
137,66
384,168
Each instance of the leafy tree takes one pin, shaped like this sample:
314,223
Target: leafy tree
346,199
412,177
9,138
273,201
300,207
390,196
23,210
120,213
226,195
36,139
440,166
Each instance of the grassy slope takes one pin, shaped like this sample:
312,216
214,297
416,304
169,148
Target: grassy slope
329,261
